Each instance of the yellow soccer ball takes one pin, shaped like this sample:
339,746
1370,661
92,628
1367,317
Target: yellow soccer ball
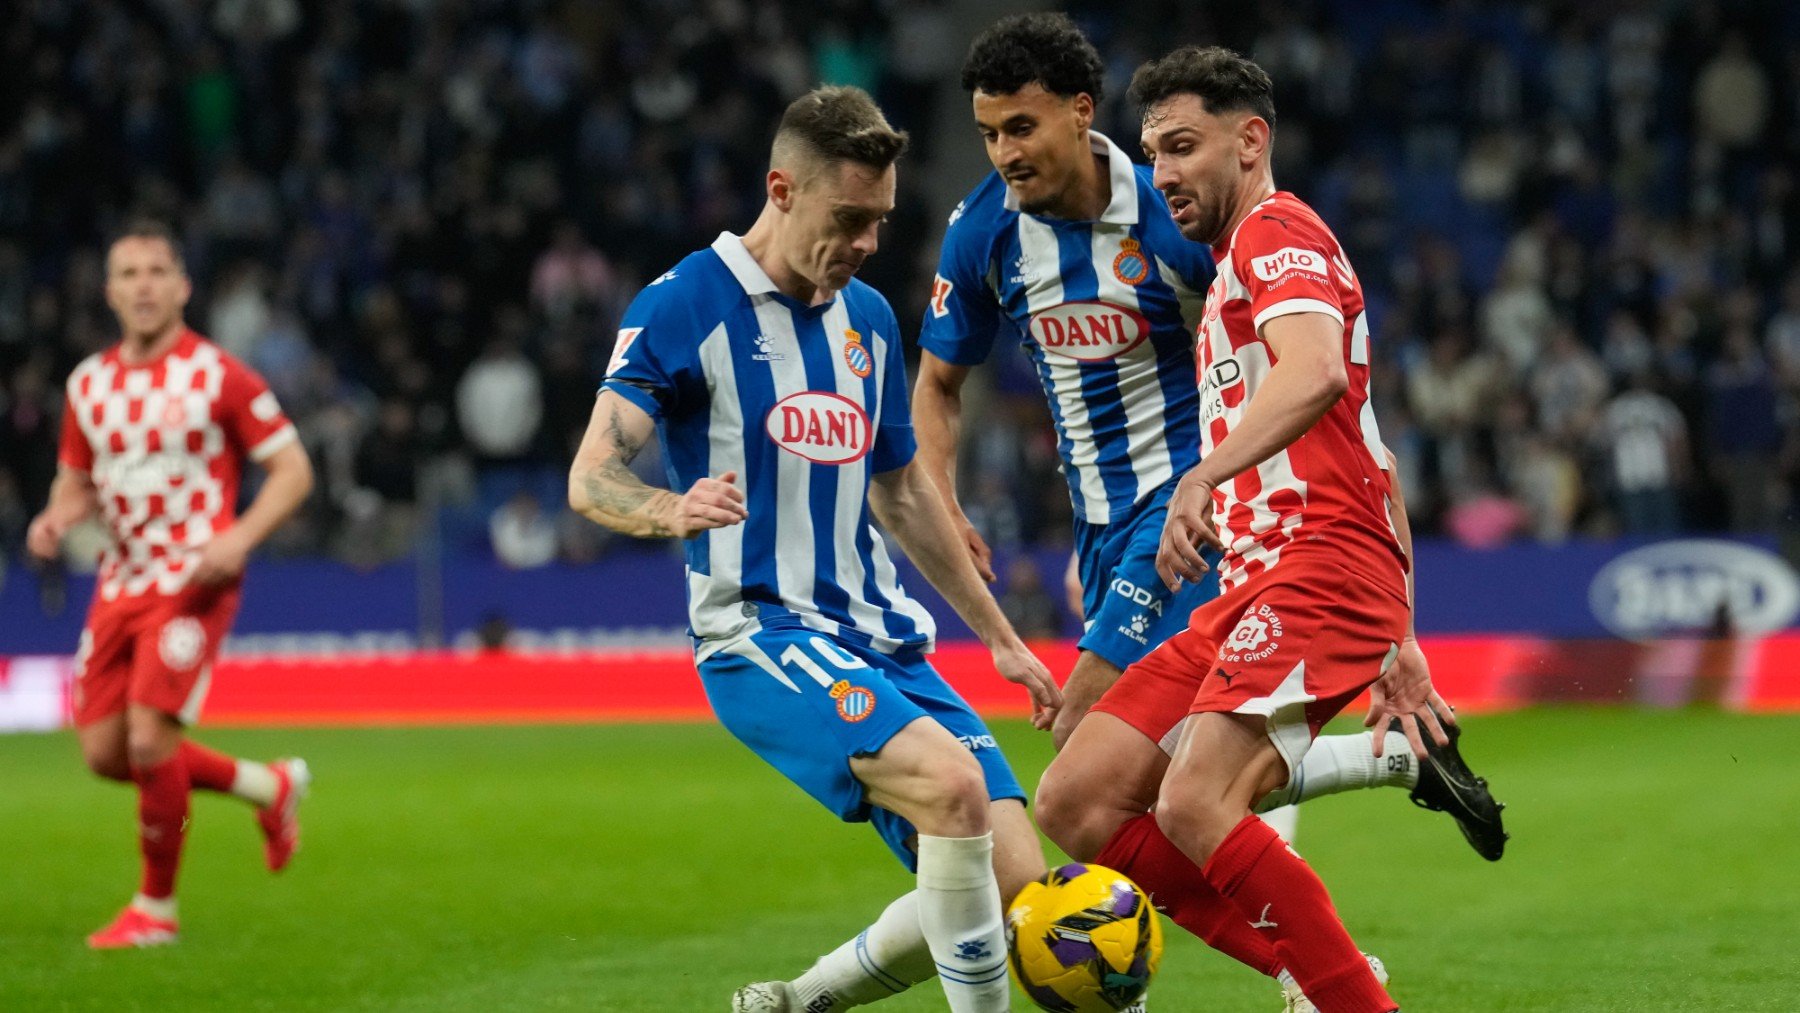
1084,939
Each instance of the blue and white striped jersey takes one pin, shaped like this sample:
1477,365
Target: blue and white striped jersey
1106,310
805,404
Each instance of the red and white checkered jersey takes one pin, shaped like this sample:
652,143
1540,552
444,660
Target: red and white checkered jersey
1327,491
165,443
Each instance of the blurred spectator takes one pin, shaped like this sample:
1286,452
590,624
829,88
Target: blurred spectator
499,402
571,276
1743,432
1568,385
387,471
523,536
1645,443
1480,517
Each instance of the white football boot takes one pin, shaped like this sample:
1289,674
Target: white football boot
765,997
1296,1000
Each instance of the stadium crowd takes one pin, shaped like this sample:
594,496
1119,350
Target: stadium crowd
1577,226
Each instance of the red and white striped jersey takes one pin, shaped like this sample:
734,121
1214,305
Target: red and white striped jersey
1327,491
165,443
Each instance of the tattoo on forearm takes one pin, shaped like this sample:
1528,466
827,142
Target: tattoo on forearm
611,487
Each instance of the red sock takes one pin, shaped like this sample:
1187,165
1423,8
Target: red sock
1278,891
1139,850
162,822
208,768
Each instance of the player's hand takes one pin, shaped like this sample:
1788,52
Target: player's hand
44,537
1188,529
1405,692
222,560
1016,663
710,503
979,553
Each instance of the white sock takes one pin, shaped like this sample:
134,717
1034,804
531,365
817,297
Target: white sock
888,957
155,907
1284,820
255,783
1344,762
959,911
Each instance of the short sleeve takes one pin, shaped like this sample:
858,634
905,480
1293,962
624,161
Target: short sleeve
895,444
648,356
250,414
964,315
73,451
1284,261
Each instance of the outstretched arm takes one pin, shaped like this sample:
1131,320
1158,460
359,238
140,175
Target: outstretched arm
603,489
937,423
907,504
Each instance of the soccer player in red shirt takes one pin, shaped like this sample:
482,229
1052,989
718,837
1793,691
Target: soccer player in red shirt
155,433
1293,487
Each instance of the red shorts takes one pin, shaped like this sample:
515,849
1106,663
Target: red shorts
155,650
1294,644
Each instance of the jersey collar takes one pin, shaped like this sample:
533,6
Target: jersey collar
755,281
1123,208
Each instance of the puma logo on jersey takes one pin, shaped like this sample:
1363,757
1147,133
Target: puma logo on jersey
1277,219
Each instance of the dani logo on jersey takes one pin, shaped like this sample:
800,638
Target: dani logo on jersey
1089,331
820,426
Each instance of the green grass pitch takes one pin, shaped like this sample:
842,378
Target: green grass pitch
657,867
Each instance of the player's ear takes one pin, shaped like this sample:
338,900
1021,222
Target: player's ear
1083,105
1253,139
781,189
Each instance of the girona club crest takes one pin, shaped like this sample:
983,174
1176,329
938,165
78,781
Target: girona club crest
181,643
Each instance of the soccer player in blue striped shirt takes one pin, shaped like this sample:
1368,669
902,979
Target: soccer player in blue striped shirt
775,383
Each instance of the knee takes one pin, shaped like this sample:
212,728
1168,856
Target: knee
959,806
1073,819
145,748
1196,826
109,762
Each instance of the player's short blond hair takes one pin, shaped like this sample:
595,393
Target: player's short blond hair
830,125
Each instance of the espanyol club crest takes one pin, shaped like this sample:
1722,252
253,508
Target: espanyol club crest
854,703
1130,266
855,355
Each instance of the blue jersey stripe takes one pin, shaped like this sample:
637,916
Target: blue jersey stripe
1099,380
822,491
755,385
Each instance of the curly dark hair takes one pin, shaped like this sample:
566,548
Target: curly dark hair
1046,48
838,124
1224,81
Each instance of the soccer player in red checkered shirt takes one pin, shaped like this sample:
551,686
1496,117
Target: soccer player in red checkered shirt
155,433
